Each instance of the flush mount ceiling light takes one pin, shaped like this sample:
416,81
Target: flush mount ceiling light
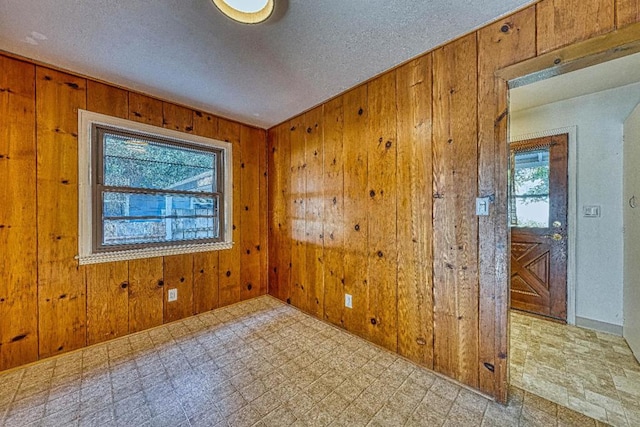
246,11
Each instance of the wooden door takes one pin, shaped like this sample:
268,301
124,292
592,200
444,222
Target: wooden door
538,220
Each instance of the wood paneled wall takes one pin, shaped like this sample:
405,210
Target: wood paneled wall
372,194
48,303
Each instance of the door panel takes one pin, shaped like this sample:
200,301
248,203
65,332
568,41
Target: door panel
538,219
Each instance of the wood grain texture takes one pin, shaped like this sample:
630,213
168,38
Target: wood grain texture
263,215
297,204
414,221
508,41
18,263
333,211
61,287
105,99
455,226
354,151
627,12
229,266
562,22
313,218
381,211
107,301
205,265
145,109
146,293
252,141
279,193
178,274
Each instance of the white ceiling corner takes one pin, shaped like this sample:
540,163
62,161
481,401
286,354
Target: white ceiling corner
188,52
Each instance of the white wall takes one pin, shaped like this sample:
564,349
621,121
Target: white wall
631,179
599,120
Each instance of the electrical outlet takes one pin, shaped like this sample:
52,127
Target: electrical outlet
348,301
173,295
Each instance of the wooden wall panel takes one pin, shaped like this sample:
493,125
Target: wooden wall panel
18,263
144,109
61,286
107,293
414,221
313,218
252,141
48,303
105,99
297,203
455,237
178,274
146,293
205,264
627,12
279,193
562,22
333,212
107,301
381,211
506,42
354,151
229,267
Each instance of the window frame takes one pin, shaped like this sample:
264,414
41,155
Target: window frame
91,250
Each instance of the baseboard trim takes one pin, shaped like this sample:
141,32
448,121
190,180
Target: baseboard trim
597,325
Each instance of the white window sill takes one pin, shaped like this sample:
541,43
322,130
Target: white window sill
151,252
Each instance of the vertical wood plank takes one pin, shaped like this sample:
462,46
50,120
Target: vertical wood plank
146,278
146,294
299,286
250,275
107,301
178,274
508,41
333,213
179,267
562,22
61,285
263,214
205,265
107,293
455,224
356,228
18,263
415,173
381,214
105,99
627,12
313,218
229,269
144,109
279,196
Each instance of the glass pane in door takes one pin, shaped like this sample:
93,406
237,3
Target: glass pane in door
530,189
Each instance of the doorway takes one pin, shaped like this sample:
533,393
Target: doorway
538,225
587,367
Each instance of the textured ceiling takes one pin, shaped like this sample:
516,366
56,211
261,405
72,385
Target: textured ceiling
186,51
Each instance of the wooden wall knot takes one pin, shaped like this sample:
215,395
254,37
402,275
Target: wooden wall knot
372,193
374,321
249,286
72,85
421,341
360,111
388,145
18,338
438,195
228,273
505,28
2,89
357,227
124,285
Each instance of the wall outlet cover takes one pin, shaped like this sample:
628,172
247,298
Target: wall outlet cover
173,295
348,301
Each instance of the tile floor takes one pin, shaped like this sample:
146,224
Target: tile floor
257,363
591,372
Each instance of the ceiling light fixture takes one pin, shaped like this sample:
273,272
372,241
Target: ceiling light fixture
246,11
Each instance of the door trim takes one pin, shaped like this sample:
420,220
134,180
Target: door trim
572,208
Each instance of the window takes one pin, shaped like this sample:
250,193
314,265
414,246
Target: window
148,191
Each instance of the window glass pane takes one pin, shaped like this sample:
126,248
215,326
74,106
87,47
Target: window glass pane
134,218
141,163
530,188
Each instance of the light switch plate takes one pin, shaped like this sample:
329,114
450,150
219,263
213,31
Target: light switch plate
348,301
482,206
